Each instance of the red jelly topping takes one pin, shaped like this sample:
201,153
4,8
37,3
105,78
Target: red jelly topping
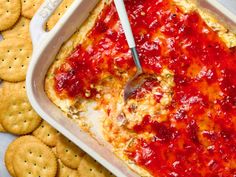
199,136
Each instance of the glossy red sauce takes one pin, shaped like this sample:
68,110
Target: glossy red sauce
199,136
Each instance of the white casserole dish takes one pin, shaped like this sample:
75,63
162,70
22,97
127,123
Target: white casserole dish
46,45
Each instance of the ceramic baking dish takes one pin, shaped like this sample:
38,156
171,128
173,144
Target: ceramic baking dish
46,45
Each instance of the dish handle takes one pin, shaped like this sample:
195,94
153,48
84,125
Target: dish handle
37,24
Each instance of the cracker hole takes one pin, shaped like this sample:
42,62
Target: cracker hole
9,67
59,14
29,173
15,58
20,49
22,66
35,165
67,150
34,5
48,134
44,168
3,60
90,169
40,156
25,161
76,155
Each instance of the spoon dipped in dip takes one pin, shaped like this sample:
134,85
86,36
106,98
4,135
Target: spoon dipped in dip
140,77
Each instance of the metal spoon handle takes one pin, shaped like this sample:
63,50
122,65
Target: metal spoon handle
120,6
136,60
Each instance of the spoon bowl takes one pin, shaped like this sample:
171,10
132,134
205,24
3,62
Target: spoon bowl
135,83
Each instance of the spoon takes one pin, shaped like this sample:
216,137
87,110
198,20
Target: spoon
140,77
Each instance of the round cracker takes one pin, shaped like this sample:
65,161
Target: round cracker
59,12
1,93
9,13
29,7
20,29
1,99
17,115
47,134
68,152
15,54
64,171
54,150
12,149
92,168
34,159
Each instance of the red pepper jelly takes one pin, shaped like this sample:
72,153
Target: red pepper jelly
199,137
